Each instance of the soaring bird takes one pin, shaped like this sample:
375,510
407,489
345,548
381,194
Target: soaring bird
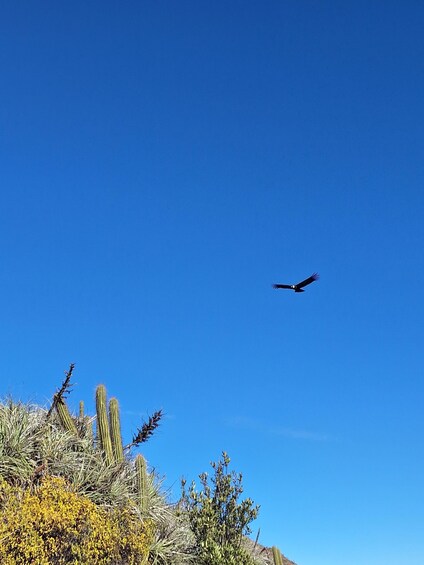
299,286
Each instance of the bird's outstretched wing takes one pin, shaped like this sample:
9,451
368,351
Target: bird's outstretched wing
282,286
307,281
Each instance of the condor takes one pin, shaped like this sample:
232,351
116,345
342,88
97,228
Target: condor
299,286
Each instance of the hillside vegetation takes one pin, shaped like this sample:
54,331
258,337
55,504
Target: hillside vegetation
72,492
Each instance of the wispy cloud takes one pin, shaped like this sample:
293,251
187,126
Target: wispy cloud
264,427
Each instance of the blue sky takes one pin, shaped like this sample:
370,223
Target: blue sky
162,164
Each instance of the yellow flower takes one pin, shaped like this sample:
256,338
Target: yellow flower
51,524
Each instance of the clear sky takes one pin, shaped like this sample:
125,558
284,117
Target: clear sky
162,164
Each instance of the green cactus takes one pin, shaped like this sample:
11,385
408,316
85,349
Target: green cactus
278,558
115,430
87,429
85,424
65,417
103,425
142,485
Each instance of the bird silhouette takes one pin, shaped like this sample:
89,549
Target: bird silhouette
299,286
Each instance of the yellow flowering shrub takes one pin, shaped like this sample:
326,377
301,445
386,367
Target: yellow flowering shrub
52,525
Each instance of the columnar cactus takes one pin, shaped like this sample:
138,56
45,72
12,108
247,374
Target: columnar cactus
115,430
278,558
65,417
142,486
103,425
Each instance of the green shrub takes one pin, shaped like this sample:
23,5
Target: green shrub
217,518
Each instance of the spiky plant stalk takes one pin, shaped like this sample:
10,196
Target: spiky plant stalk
146,430
81,409
278,558
103,425
115,430
65,417
142,487
64,389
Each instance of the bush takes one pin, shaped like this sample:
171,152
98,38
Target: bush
217,518
52,525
